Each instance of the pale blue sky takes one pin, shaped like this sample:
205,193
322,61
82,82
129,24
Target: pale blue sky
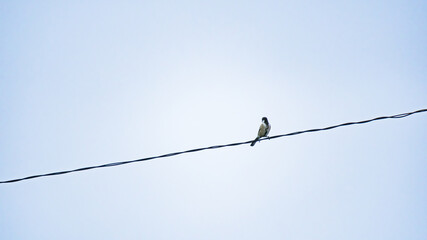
90,82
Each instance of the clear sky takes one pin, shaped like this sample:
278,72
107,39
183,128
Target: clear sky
90,82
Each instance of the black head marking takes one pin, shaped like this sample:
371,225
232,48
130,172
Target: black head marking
264,119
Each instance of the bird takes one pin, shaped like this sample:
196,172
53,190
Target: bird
263,131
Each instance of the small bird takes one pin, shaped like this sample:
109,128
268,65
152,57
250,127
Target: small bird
263,131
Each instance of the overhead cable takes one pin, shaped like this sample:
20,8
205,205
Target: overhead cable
402,115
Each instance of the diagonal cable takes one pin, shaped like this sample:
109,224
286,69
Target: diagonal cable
113,164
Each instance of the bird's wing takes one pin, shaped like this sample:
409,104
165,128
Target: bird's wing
261,131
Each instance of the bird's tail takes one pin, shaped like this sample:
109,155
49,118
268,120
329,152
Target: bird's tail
254,141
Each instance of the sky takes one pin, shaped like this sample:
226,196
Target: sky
84,83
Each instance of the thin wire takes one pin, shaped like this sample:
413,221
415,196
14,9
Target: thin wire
402,115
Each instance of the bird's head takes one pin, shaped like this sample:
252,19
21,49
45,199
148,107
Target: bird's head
264,119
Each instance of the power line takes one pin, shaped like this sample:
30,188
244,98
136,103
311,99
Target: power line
402,115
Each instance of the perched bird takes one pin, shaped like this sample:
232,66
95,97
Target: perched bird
263,131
